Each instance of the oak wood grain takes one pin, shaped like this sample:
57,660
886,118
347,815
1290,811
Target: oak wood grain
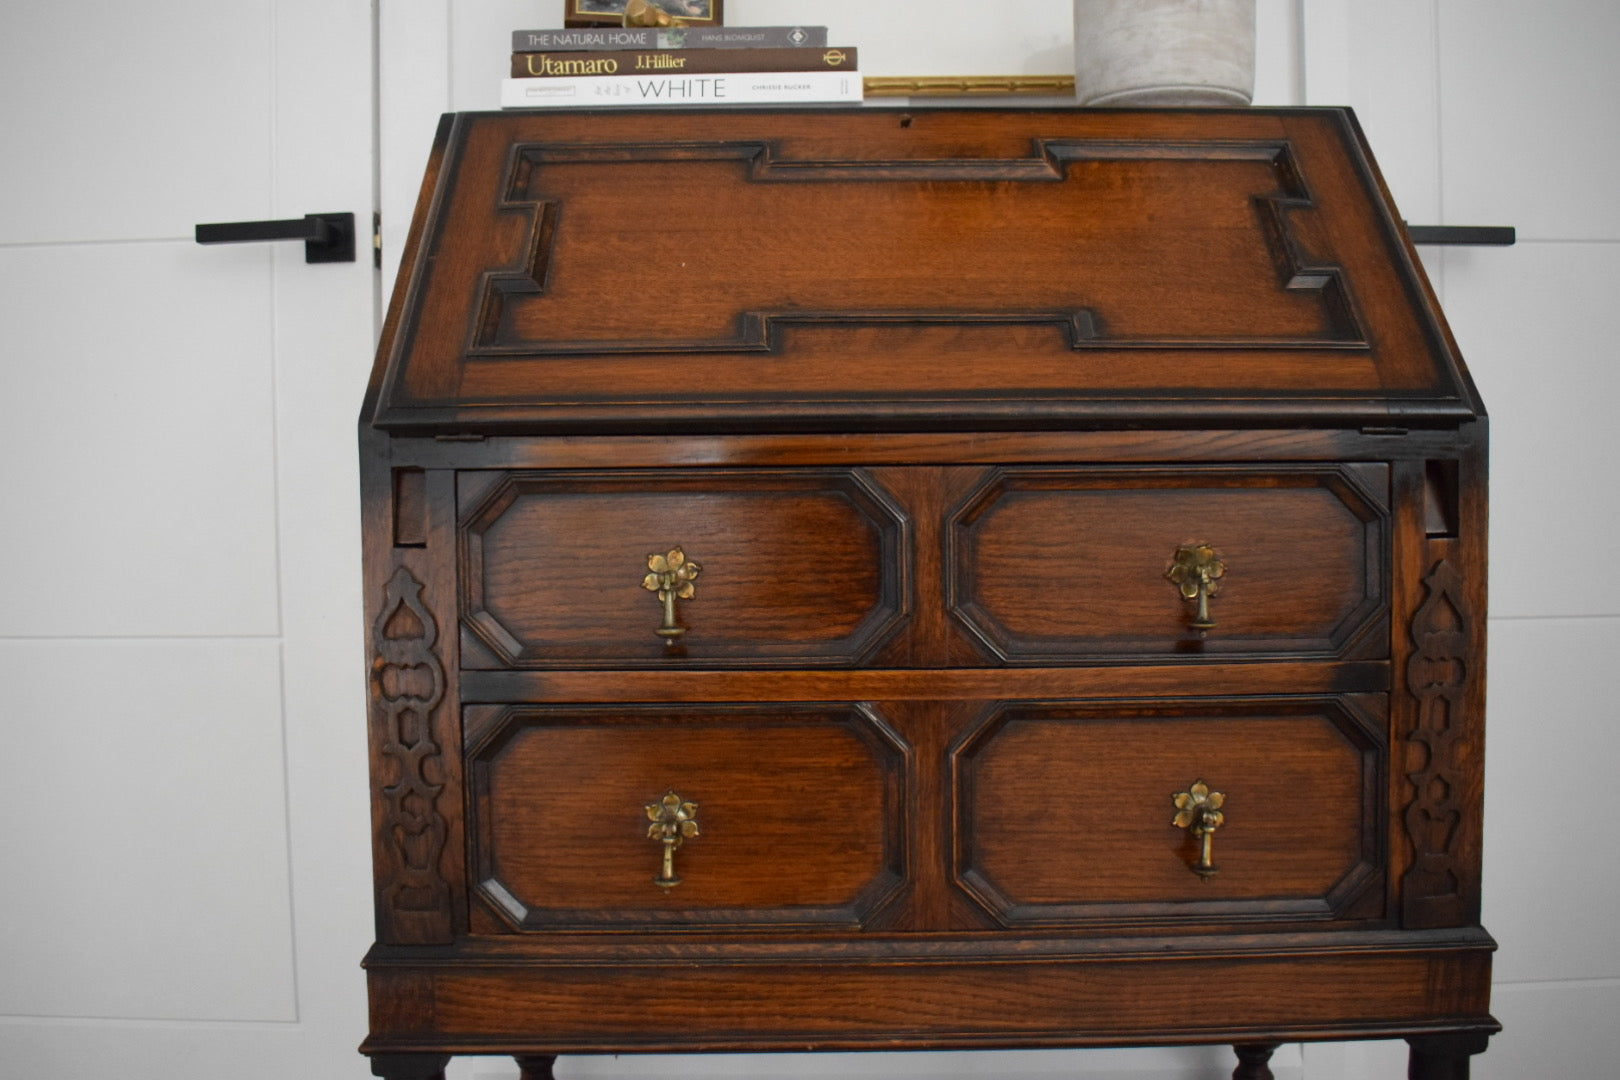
932,395
1014,237
1063,813
831,1007
1051,563
802,814
806,566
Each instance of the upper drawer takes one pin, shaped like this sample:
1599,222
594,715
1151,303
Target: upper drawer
1050,565
803,566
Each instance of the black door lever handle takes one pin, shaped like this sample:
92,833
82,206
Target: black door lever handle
1492,235
326,237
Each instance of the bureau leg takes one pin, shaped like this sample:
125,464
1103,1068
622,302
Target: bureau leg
1253,1061
1443,1057
409,1066
536,1066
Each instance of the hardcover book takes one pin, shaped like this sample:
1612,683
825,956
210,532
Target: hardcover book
536,65
672,37
734,88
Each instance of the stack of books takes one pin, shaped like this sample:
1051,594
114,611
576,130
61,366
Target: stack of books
686,65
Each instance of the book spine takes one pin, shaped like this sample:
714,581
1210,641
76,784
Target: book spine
688,37
548,65
734,88
603,38
746,37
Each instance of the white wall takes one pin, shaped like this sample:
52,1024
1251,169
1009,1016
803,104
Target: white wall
185,830
1529,134
1490,112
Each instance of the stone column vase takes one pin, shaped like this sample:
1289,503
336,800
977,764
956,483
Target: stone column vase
1155,53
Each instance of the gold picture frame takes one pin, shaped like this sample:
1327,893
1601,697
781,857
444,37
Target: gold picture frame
611,12
972,86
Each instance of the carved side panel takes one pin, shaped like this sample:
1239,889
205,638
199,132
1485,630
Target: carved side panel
1438,677
408,685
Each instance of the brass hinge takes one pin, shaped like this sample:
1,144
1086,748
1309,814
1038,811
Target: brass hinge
376,239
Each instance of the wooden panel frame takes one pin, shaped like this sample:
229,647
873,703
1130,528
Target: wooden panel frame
490,730
1131,992
1360,634
413,685
1357,895
478,379
1050,161
501,647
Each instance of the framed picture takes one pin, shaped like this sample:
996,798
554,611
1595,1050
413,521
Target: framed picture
611,12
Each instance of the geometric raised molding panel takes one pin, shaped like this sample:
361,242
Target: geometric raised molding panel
802,809
1062,811
1049,565
1437,675
554,564
407,684
539,307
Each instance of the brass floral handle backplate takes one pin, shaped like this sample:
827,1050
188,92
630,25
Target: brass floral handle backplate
1199,810
673,820
672,576
1196,570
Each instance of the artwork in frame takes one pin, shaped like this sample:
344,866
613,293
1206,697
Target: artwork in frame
611,12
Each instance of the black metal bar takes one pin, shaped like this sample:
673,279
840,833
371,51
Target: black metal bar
1488,235
326,237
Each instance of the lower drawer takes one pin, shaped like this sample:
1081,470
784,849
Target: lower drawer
899,816
1266,810
685,816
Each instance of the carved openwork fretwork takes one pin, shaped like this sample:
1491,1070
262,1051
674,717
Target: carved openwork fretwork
407,685
1437,676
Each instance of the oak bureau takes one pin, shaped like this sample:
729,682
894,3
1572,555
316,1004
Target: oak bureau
946,578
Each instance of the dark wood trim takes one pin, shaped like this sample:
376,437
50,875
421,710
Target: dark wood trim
1445,1056
536,1066
409,1066
1254,1061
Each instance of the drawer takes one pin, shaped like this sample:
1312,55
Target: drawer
1066,813
796,567
1057,565
778,814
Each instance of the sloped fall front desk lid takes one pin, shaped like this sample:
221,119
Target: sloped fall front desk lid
927,269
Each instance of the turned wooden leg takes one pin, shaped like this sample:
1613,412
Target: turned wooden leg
1443,1057
1252,1061
409,1066
536,1066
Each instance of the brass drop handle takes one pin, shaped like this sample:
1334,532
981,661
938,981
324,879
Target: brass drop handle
671,576
673,820
1199,809
1196,571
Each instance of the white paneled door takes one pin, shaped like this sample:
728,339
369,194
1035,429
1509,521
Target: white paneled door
183,872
